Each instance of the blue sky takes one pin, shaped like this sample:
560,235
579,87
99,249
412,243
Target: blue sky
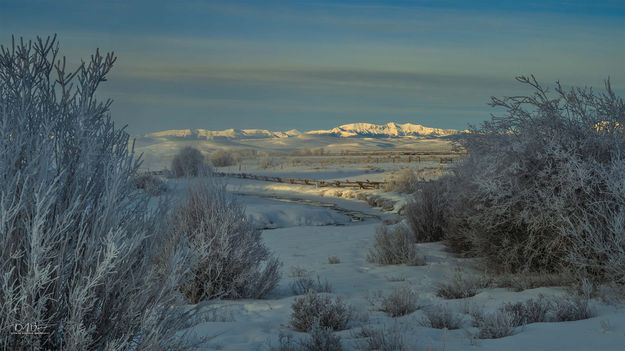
317,64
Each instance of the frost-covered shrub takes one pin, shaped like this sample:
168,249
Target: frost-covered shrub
547,309
441,317
286,342
334,260
427,212
228,257
529,311
543,186
571,308
387,339
405,180
223,158
189,162
394,246
298,272
495,325
610,293
400,302
80,250
550,183
322,339
306,284
319,309
553,309
151,184
459,287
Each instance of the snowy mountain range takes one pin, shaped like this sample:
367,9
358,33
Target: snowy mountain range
353,130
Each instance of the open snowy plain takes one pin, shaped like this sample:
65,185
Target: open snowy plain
324,234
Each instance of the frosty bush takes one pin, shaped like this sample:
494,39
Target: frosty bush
386,339
223,158
495,325
286,342
334,260
571,308
404,181
400,302
394,246
543,187
552,182
459,287
529,311
189,162
322,339
228,257
74,250
427,213
321,310
441,317
305,284
554,309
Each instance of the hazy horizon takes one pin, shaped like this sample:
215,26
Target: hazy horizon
316,65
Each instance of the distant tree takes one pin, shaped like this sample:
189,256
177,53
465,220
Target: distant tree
189,162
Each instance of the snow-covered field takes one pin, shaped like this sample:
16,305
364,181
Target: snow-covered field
307,228
306,225
364,144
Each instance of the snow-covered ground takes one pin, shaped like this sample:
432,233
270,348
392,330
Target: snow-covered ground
374,144
308,227
282,213
305,225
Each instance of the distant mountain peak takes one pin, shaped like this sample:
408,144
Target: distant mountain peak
351,130
389,130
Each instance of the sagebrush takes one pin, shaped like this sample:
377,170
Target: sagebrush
543,186
322,339
382,339
81,252
189,162
394,245
461,286
305,284
428,211
401,301
319,310
228,257
441,317
403,181
495,325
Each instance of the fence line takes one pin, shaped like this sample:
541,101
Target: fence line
312,182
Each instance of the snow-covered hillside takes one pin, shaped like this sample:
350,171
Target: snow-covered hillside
368,130
226,133
389,130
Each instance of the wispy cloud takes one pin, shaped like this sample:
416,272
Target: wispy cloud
243,63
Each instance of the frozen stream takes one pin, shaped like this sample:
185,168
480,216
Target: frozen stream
272,211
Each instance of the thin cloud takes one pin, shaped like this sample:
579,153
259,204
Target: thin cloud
236,63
